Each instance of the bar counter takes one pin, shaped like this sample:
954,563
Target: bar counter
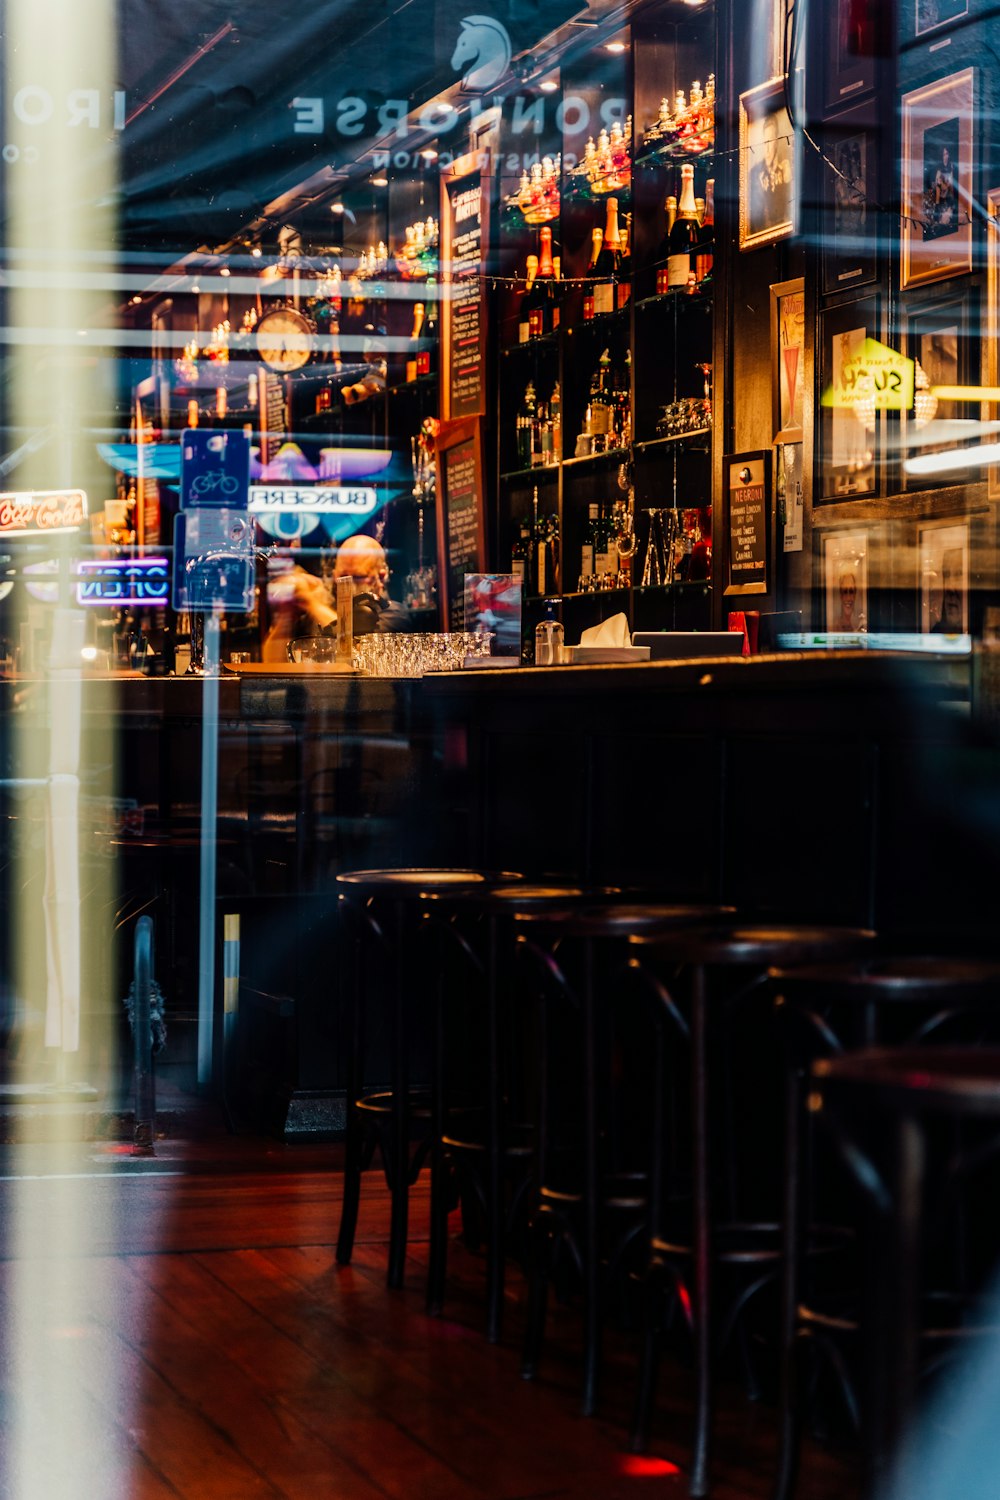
849,788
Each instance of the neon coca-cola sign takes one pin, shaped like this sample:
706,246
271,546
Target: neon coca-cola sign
34,512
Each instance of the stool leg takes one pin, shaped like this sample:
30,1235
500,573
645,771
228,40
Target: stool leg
438,1261
591,1267
352,1125
788,1399
495,1224
702,1233
400,1123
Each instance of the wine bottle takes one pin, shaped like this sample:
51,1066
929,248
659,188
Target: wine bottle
601,404
588,289
520,557
524,427
623,288
556,292
683,243
427,356
555,417
413,352
607,263
706,240
663,249
542,312
527,302
589,547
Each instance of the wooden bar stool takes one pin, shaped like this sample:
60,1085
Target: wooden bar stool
826,1010
381,908
477,925
744,954
571,1209
881,1105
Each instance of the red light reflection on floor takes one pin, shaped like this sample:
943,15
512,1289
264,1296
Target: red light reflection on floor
640,1466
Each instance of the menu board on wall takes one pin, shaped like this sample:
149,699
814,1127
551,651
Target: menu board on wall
464,209
748,522
460,526
271,395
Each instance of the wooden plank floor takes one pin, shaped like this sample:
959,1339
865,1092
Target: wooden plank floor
181,1328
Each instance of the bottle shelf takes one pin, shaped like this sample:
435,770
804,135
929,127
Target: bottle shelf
621,588
698,435
536,472
660,157
679,294
611,455
422,383
599,320
541,344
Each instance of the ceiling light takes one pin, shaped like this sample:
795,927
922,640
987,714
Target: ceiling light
429,154
548,86
380,182
256,252
224,271
614,46
196,289
136,299
336,208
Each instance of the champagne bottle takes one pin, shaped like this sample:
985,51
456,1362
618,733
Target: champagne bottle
542,312
556,292
555,417
588,289
683,244
527,302
623,290
663,249
706,240
608,262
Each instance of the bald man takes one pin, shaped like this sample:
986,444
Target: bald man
301,605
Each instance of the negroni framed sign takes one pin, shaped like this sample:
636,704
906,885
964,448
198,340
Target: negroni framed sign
41,512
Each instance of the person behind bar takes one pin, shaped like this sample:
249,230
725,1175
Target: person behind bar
301,605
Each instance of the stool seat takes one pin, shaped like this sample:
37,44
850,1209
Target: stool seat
921,1080
526,896
407,885
909,979
755,947
625,920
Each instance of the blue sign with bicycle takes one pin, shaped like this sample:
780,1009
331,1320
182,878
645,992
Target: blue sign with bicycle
215,470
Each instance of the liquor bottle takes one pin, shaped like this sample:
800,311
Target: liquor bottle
706,240
683,243
547,555
541,316
525,423
601,405
413,352
588,288
427,355
556,292
520,557
589,548
605,553
538,427
555,417
621,421
623,287
663,249
607,263
527,302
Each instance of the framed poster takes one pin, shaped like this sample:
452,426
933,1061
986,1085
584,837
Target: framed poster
460,514
854,40
788,342
850,192
938,173
991,373
748,522
465,194
845,581
848,436
931,15
940,338
768,185
943,550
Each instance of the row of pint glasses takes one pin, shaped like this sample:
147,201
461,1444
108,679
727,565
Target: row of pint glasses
400,654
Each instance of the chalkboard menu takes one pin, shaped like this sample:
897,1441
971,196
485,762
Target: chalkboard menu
461,534
464,241
748,522
271,395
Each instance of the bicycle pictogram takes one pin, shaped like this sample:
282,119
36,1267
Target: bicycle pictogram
215,479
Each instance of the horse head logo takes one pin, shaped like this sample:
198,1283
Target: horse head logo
483,52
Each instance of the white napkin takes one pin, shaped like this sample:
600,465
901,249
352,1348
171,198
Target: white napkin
611,632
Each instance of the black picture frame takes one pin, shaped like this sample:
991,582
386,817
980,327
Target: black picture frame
941,333
748,522
851,188
848,457
933,16
854,38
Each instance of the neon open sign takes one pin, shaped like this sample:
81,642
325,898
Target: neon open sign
123,581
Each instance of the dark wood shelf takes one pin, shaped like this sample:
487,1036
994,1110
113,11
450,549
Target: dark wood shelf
541,345
609,456
651,444
538,471
679,294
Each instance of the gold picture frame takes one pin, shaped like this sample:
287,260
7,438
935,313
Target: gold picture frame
768,168
788,350
938,172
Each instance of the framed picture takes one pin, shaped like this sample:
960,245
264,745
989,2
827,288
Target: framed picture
991,372
943,549
937,180
941,338
845,580
748,532
788,341
767,167
851,189
849,428
853,43
932,14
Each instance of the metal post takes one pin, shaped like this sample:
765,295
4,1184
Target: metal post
209,803
142,1037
